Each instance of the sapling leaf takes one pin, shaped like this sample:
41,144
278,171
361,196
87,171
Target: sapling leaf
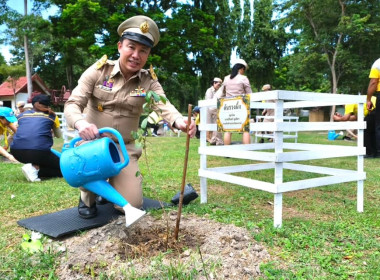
144,123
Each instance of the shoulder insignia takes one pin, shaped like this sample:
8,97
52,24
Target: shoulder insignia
152,74
101,62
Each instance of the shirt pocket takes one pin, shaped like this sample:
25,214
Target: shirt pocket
103,95
133,106
103,99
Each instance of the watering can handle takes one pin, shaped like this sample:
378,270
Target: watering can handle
119,139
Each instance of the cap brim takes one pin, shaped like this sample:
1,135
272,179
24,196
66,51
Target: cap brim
138,38
11,119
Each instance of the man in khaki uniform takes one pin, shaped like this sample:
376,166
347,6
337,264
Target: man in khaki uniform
112,92
214,137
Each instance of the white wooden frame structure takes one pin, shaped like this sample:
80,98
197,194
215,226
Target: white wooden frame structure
280,160
287,134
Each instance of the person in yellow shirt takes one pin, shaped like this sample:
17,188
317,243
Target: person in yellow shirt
154,121
197,117
370,139
374,90
351,114
7,129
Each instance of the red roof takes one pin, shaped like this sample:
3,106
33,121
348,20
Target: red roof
6,88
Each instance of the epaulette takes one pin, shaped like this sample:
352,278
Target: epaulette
100,63
152,74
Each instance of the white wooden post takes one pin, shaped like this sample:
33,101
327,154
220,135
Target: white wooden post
277,219
279,166
360,163
203,157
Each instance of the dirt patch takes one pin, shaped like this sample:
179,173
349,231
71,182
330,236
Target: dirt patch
205,250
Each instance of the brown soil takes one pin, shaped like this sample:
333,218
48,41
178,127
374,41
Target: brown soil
205,250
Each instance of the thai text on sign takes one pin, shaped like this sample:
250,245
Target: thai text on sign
233,114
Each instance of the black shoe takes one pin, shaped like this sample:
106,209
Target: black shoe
86,212
189,194
101,200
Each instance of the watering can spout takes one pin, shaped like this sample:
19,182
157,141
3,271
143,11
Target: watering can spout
104,189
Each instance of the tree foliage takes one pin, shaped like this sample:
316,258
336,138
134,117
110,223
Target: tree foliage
312,45
327,30
261,41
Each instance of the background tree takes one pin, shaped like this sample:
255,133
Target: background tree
2,62
261,41
328,29
308,45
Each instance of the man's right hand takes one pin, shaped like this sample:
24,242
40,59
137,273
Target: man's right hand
369,105
87,131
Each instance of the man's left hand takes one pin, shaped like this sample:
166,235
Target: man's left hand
182,125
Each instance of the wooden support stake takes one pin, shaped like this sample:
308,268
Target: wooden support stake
189,109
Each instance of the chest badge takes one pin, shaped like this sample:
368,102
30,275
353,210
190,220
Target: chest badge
100,107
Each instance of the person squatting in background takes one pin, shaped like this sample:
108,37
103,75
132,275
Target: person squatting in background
154,121
34,139
236,84
350,115
196,115
7,129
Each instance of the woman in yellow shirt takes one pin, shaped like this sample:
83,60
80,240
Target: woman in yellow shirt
7,129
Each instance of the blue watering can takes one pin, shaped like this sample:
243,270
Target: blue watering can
91,164
331,135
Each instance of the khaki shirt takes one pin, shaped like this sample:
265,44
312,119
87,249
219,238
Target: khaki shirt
118,106
237,86
210,93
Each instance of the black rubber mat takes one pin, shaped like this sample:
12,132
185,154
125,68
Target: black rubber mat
66,222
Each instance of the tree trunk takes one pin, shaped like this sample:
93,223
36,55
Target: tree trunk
69,76
27,66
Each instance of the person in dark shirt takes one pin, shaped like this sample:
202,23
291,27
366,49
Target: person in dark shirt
34,138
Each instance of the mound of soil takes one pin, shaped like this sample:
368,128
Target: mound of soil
205,250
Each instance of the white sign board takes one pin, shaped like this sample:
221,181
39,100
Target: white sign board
233,114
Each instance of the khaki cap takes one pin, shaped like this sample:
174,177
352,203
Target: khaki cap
266,87
141,29
218,80
20,104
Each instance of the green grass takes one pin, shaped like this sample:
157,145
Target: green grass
322,237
